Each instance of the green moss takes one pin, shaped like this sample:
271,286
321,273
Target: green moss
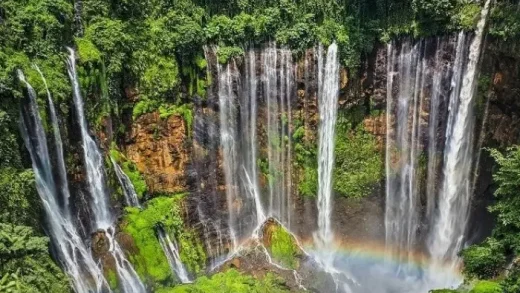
359,165
151,262
192,253
184,110
305,161
283,248
201,62
111,278
486,287
309,181
201,87
144,106
230,281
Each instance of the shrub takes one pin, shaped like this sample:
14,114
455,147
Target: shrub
484,260
359,165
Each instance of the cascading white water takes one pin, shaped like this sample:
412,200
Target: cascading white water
228,136
92,157
441,70
248,121
403,148
62,171
328,108
73,254
172,254
99,204
277,77
447,237
128,188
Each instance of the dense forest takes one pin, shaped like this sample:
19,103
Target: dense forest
152,74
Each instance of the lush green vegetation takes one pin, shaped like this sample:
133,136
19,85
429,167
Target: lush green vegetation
305,152
230,281
489,259
150,262
25,264
359,164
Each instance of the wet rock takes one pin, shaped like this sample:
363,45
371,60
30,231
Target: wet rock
159,150
100,244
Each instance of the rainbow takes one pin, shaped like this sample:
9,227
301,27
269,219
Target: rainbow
368,263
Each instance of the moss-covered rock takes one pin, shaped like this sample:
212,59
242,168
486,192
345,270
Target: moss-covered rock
281,244
149,260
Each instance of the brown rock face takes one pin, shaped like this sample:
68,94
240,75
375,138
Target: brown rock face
100,244
157,146
377,126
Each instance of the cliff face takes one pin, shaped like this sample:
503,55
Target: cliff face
160,149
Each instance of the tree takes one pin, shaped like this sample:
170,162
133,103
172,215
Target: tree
25,260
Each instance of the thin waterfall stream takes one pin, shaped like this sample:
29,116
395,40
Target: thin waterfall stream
328,106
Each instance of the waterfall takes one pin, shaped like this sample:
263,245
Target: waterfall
277,78
239,98
403,147
249,139
73,254
328,108
94,165
449,229
92,157
228,141
441,71
172,254
128,188
62,171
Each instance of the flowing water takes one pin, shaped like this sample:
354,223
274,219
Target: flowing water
131,198
172,254
404,146
74,256
227,77
94,166
277,79
238,101
416,81
248,117
328,109
448,233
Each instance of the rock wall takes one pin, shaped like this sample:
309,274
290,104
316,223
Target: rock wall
160,149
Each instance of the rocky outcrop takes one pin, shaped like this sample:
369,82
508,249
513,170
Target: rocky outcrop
160,151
